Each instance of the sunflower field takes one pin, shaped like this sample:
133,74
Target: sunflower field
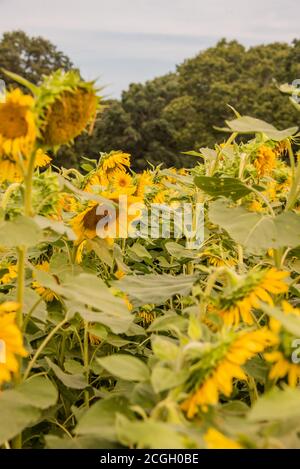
126,341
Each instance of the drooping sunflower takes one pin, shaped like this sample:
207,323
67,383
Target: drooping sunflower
85,223
215,371
257,286
265,161
216,440
11,342
282,357
66,106
115,160
18,130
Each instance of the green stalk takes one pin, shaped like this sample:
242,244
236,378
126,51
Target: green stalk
22,251
86,360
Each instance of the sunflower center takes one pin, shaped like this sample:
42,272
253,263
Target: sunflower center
122,182
13,122
91,218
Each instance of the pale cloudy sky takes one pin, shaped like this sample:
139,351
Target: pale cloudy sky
124,41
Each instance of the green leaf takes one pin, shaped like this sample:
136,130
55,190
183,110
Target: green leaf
148,434
276,405
118,323
170,322
99,419
99,246
155,289
138,252
15,416
22,231
254,230
86,289
164,348
39,392
125,367
249,125
77,381
225,186
163,378
178,251
56,226
21,407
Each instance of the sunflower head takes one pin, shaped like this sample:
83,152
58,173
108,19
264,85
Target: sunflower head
18,130
265,161
123,183
11,341
115,160
66,106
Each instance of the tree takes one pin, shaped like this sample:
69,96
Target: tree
178,112
30,57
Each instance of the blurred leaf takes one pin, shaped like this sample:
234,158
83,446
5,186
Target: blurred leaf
99,419
163,378
155,289
125,367
148,434
20,232
249,125
276,405
225,186
254,230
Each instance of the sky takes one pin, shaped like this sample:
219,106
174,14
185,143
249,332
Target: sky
125,41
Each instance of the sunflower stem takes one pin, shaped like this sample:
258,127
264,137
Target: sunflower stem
86,360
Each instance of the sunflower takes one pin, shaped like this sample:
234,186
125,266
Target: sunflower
281,358
18,130
115,160
98,180
216,440
46,293
10,171
265,161
256,206
146,314
123,183
215,372
216,259
41,159
11,342
66,105
144,180
10,274
256,287
85,223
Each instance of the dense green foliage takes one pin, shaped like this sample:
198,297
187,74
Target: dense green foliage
177,112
